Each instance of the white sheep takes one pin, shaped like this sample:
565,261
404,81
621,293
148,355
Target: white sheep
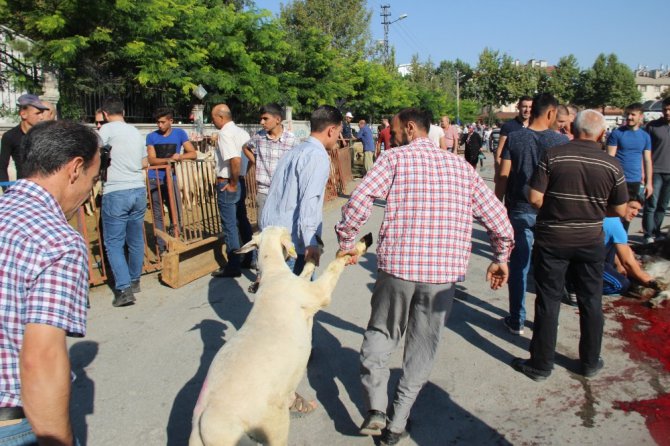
251,382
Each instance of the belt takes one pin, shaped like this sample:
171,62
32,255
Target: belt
11,413
222,180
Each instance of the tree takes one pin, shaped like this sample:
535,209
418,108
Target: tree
167,47
608,82
564,80
348,26
495,81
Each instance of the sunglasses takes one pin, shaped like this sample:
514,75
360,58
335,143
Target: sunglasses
100,122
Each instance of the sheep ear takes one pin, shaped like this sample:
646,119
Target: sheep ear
289,249
251,245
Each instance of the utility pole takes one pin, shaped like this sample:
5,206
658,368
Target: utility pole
458,98
386,13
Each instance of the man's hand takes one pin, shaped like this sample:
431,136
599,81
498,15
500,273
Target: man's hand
313,253
648,190
353,256
497,275
176,157
230,187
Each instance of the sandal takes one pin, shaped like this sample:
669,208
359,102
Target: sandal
301,407
253,287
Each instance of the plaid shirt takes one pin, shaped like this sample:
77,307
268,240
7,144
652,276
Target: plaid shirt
431,197
267,152
43,276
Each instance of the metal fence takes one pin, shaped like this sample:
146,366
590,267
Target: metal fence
17,74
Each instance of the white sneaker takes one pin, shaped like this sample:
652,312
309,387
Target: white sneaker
648,240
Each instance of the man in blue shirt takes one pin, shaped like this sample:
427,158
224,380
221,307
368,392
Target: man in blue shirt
295,198
164,146
365,136
620,263
631,145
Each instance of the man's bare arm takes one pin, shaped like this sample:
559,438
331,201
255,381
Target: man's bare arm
501,179
630,264
45,383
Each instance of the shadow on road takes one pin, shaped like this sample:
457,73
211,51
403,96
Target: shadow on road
232,306
437,420
83,388
331,363
470,312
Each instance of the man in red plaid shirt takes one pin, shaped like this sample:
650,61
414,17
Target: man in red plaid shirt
424,245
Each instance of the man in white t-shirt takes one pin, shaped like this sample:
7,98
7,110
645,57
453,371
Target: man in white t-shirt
229,142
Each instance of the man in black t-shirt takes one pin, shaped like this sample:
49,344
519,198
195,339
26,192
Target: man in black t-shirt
30,112
574,187
524,106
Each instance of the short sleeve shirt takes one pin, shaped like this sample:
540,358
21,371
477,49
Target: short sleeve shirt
166,146
630,144
579,181
230,141
43,276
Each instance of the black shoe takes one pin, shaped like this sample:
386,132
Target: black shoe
123,297
135,286
570,299
253,287
223,272
374,422
392,438
590,372
521,365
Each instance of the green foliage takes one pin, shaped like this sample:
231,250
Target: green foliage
347,26
564,80
607,82
312,54
496,79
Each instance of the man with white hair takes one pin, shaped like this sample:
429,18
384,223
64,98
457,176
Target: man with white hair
574,187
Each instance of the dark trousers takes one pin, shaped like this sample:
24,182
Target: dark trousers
242,219
586,270
613,281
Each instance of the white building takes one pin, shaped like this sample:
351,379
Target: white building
652,83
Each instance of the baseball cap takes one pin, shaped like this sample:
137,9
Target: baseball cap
349,115
31,99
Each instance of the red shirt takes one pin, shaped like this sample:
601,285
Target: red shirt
385,136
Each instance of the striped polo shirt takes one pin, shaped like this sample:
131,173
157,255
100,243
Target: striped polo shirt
579,181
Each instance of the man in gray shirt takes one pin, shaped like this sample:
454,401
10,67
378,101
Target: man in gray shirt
657,203
124,201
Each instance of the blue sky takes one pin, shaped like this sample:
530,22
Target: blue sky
524,29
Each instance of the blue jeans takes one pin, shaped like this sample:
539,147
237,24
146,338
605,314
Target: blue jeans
20,434
523,224
227,202
656,205
297,265
122,222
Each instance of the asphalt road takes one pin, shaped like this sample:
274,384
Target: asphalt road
140,368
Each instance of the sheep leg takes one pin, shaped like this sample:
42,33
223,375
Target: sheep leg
329,278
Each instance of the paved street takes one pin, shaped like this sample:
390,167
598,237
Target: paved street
140,368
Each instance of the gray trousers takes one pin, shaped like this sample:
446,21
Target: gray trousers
261,198
417,311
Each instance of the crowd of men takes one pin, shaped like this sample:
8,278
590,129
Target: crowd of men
558,195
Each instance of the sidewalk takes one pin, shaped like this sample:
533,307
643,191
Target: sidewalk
140,368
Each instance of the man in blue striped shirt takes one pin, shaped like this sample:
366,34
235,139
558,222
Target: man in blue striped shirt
295,198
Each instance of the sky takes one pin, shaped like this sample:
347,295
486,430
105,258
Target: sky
524,29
